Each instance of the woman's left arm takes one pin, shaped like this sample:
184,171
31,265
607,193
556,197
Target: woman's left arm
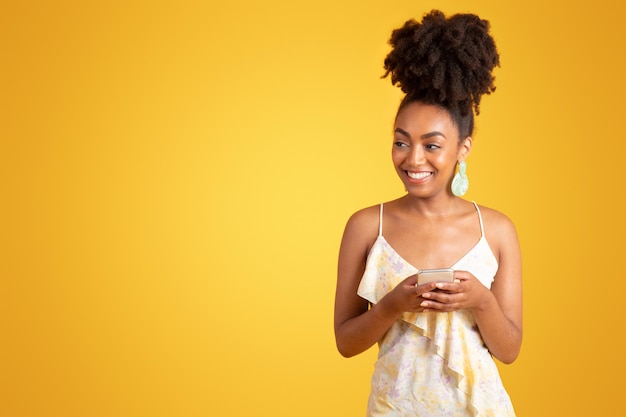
498,313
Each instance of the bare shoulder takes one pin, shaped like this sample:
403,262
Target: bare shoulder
360,233
363,224
498,226
501,234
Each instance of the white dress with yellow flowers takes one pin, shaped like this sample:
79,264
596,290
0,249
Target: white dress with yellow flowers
432,364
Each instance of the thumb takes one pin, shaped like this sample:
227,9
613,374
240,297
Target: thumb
412,280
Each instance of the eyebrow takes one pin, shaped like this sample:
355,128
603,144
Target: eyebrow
424,136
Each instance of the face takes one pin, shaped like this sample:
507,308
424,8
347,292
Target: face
426,149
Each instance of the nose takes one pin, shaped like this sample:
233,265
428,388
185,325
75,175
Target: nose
416,156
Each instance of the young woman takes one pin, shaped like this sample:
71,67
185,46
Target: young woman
437,340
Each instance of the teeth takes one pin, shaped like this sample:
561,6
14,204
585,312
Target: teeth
419,175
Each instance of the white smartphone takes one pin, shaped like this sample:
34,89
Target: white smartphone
435,275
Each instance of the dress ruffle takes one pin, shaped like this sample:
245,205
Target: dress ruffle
455,335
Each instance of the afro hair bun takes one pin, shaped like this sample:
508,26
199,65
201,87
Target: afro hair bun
444,61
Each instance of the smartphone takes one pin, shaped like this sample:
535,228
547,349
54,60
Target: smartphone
435,275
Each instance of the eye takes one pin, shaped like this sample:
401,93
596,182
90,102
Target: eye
432,146
400,144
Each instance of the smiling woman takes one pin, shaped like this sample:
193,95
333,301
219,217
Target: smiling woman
427,147
436,339
175,178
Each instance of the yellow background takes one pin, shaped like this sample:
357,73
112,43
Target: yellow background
175,178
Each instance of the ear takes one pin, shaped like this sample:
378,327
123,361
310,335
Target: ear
465,148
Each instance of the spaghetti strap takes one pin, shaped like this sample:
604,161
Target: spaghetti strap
480,219
380,221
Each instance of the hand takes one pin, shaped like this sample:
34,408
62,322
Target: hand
406,296
466,292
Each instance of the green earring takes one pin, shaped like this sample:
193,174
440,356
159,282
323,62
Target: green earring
460,183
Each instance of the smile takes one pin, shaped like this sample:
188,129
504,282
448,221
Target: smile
418,175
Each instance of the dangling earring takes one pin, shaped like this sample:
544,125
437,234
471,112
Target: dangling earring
460,183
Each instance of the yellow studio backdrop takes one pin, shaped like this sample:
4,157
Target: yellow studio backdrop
175,178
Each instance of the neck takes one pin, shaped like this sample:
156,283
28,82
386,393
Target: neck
435,207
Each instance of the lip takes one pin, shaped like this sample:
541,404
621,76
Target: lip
418,177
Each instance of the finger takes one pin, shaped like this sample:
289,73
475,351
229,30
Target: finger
449,287
442,299
431,305
424,288
462,275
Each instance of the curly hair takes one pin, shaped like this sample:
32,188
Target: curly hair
444,61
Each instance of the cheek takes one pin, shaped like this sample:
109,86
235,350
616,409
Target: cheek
444,159
397,158
441,161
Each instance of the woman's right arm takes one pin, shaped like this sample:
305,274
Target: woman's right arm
358,327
